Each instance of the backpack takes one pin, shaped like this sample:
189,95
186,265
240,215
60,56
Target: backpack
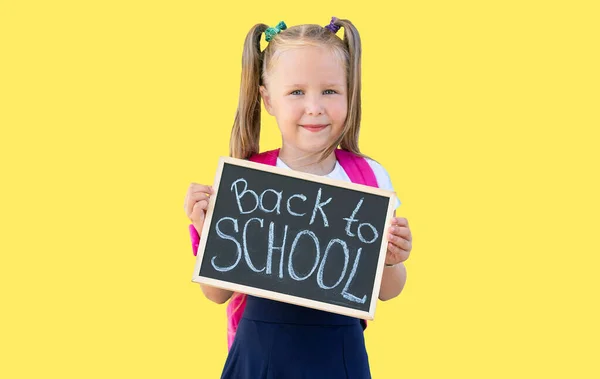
358,170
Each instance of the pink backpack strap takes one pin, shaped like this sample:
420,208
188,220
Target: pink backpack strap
268,157
358,169
195,238
235,310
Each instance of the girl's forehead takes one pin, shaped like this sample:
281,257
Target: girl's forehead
309,62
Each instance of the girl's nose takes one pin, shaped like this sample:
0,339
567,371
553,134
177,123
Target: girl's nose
314,106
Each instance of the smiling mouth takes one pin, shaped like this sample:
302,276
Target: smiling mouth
315,127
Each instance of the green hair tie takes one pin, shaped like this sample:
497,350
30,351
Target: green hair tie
272,32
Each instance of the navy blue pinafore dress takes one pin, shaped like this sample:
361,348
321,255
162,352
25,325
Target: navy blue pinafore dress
277,340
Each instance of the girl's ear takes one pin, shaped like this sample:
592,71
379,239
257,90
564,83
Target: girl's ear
266,99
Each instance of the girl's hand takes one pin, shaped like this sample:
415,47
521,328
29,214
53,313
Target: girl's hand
196,202
400,241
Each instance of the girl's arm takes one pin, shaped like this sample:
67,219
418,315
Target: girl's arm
392,282
218,295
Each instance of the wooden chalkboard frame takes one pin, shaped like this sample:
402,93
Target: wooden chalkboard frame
197,278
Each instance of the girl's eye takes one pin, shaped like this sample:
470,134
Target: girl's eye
296,92
329,92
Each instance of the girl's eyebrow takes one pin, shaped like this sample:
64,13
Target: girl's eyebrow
331,84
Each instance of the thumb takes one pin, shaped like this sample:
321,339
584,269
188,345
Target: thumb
198,212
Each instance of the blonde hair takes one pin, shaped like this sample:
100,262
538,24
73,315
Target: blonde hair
245,134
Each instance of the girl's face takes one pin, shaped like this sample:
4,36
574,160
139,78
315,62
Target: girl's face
306,93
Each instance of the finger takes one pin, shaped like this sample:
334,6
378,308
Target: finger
195,187
199,211
200,207
197,196
395,250
398,254
401,231
193,199
400,242
197,218
400,221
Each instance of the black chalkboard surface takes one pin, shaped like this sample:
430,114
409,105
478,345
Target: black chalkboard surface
295,237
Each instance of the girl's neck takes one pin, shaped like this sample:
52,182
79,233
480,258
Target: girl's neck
301,161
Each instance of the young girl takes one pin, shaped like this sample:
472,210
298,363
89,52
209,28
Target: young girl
309,80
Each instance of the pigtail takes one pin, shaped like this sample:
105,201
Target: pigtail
352,40
245,134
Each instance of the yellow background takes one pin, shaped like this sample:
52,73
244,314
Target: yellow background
486,115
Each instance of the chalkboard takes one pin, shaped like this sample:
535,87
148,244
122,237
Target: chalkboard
295,237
